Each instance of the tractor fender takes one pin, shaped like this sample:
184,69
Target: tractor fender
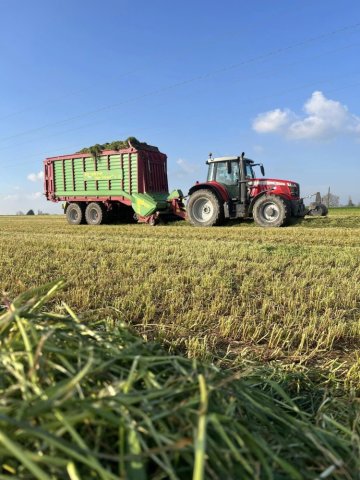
215,187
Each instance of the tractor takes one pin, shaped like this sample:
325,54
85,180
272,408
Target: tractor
233,191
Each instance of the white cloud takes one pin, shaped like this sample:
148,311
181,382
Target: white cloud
35,177
324,118
23,196
186,166
185,170
24,200
273,121
7,198
35,195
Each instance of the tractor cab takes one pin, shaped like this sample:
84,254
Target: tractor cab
234,173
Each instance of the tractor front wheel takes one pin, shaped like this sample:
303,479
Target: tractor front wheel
271,211
204,209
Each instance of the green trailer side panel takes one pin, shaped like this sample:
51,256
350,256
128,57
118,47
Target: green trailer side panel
114,175
69,178
134,173
125,163
106,175
58,175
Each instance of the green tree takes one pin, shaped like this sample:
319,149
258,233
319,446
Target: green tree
331,200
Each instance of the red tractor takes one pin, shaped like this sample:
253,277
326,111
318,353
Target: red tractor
232,191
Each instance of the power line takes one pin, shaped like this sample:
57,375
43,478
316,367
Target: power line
76,146
262,74
248,27
61,97
279,93
327,79
212,73
68,148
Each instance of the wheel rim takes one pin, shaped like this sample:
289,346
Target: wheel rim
270,211
74,215
94,215
202,210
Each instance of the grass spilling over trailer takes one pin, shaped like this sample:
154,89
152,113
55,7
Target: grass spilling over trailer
97,402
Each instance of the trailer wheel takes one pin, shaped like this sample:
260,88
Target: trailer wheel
74,214
94,214
204,209
271,211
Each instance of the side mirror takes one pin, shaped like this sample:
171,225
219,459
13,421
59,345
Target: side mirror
262,169
229,168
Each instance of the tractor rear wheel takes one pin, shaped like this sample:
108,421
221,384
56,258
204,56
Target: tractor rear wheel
75,214
204,209
271,211
94,214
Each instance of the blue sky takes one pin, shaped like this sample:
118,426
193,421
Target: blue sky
279,80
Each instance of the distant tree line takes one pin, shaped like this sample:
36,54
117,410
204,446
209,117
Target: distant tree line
332,200
31,212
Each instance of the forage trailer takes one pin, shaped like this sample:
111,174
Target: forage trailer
95,187
113,182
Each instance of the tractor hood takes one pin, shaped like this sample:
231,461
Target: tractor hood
285,187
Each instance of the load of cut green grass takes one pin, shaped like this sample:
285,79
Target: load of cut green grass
96,149
83,403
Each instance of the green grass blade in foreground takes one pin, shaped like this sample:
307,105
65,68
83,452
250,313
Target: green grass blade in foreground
200,441
23,457
105,403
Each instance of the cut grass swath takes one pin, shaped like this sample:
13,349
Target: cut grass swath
82,403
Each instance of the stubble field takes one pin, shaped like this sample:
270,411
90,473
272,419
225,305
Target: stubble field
285,301
237,291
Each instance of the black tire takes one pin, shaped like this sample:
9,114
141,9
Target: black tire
325,210
320,210
271,211
204,209
95,214
75,214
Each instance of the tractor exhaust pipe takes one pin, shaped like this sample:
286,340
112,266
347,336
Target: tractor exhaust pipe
242,184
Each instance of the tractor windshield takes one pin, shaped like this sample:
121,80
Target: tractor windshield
228,172
226,175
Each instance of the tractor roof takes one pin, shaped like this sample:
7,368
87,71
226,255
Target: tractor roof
227,159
